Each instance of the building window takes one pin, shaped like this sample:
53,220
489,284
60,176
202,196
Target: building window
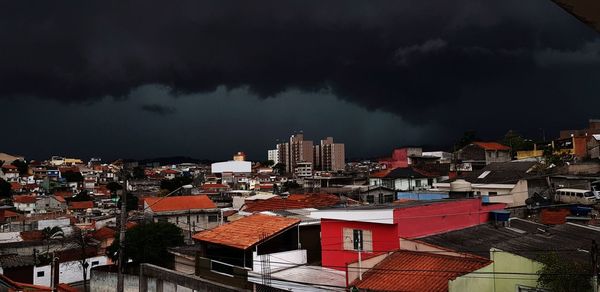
95,263
40,274
492,193
163,220
370,199
418,183
358,239
213,218
389,198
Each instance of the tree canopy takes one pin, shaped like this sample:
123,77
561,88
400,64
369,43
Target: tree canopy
148,243
562,275
81,197
5,188
22,166
132,202
72,176
173,184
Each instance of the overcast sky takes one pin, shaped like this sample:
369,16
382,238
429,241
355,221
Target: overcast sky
207,78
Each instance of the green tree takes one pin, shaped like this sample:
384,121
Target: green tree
113,187
22,166
132,202
173,184
268,163
279,168
81,197
72,176
516,142
467,138
148,243
564,275
138,173
290,186
5,189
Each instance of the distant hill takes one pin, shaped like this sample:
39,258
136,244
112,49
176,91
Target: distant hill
172,160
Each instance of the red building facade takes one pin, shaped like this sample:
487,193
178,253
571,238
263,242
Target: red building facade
345,232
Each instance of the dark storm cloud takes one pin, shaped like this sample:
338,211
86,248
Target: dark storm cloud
423,60
158,109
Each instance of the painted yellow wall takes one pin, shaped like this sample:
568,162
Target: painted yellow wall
480,280
511,263
491,277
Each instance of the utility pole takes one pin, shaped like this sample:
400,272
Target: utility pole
121,276
594,255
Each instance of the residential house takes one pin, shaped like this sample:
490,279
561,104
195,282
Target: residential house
505,182
50,204
190,213
517,249
11,173
371,230
245,245
170,173
480,154
25,203
80,207
594,147
403,179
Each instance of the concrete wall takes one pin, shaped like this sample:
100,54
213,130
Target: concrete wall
480,280
107,282
69,272
279,260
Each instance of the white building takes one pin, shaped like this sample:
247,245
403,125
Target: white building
232,166
273,155
303,169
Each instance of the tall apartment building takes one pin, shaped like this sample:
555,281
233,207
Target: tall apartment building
273,155
327,156
300,151
332,155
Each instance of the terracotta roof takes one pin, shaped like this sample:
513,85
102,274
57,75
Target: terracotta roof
81,205
64,194
8,214
381,173
417,271
32,235
294,201
60,199
179,203
24,199
9,166
170,171
103,233
15,186
214,186
247,232
492,146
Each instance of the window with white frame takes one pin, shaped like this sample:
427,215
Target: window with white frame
358,239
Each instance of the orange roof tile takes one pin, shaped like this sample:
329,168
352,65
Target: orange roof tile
15,186
246,232
24,199
104,233
294,201
381,173
492,146
81,205
166,204
60,199
214,186
32,235
417,271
